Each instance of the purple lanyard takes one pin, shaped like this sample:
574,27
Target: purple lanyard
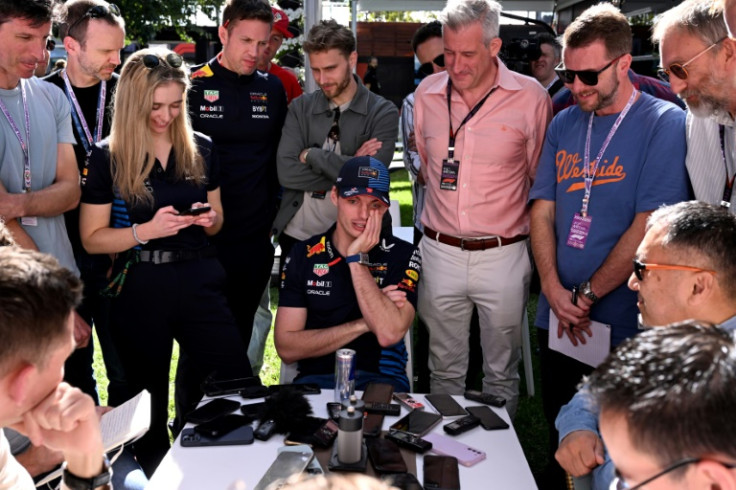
79,115
23,144
589,174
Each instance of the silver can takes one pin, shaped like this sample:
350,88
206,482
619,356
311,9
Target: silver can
344,375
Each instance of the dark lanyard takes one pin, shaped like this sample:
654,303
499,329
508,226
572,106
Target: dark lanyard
79,121
23,144
728,187
473,112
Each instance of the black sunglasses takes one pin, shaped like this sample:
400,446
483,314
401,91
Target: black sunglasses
334,133
151,61
640,267
96,12
426,69
621,484
588,77
678,69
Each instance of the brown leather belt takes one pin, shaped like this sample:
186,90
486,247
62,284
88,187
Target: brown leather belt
472,244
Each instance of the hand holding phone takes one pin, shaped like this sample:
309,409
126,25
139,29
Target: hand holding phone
195,211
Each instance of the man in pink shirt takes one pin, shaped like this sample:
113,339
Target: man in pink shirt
481,149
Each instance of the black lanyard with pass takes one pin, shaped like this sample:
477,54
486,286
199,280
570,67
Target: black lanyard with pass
450,166
728,187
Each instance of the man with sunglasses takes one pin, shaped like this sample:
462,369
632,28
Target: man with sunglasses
697,58
93,33
667,401
323,130
684,268
607,163
479,131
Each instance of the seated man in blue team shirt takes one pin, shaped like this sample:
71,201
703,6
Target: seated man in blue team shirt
350,287
684,269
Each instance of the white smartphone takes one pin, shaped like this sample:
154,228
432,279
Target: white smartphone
447,446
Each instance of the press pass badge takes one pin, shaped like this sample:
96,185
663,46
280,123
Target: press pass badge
579,231
29,221
450,171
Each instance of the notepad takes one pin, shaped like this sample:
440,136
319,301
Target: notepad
592,353
124,423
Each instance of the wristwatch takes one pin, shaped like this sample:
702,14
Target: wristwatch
586,291
75,482
361,258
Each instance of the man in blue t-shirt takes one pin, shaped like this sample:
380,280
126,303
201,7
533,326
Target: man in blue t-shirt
607,163
350,287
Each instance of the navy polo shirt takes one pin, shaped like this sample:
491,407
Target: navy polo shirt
243,114
167,190
317,278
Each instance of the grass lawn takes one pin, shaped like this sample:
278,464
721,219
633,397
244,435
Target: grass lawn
529,424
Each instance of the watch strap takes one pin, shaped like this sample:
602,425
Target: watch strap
74,482
352,258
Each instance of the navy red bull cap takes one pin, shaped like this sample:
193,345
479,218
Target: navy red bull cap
364,176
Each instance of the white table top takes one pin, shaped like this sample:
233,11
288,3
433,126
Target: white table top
505,466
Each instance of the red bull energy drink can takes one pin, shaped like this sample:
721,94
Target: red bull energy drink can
344,375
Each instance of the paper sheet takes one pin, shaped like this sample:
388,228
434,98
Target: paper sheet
126,422
592,353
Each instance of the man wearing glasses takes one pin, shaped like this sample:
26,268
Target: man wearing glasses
667,401
93,32
684,268
607,163
697,58
323,130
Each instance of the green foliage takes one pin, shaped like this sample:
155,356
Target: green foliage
144,19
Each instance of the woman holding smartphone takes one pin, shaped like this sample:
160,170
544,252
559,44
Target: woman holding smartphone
142,195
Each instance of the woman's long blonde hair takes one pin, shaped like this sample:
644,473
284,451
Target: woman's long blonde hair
131,145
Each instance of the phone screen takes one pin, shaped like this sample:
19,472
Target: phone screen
228,386
445,405
488,418
212,409
222,425
417,422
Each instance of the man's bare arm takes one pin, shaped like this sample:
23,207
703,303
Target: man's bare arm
61,196
294,342
617,267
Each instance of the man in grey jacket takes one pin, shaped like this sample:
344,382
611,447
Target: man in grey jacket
323,130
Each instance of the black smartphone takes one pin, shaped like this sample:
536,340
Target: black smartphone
445,405
489,420
385,456
217,387
441,472
241,436
306,389
315,432
253,410
258,391
375,392
417,422
195,211
221,425
211,410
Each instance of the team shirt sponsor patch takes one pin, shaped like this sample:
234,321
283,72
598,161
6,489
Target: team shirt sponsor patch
211,96
321,269
316,249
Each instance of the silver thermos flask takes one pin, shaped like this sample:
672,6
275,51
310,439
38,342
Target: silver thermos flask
350,436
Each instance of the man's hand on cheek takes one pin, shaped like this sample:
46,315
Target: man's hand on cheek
370,236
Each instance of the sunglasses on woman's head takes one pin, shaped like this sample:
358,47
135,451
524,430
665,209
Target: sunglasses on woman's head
151,61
